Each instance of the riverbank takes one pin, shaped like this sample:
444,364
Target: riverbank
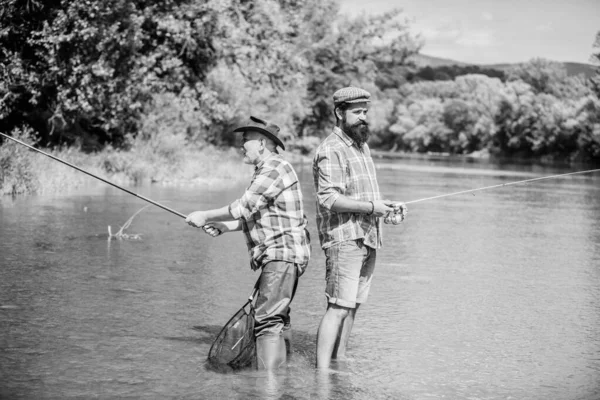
24,171
27,172
485,158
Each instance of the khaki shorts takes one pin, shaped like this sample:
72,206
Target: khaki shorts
350,266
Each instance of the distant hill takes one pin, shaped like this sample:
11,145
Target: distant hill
423,60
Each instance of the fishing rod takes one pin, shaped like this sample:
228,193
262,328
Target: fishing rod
97,177
501,185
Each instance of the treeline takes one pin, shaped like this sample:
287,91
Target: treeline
536,112
92,73
449,72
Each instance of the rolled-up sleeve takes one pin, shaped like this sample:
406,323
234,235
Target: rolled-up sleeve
264,188
330,177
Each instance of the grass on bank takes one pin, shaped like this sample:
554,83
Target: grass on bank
166,161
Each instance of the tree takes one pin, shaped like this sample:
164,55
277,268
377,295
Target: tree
595,59
366,48
543,75
88,67
77,69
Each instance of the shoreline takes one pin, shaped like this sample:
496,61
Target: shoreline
31,173
482,158
213,167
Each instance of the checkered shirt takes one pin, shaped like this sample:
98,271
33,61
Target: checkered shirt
341,168
272,215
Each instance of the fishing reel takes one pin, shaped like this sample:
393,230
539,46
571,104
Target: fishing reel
397,216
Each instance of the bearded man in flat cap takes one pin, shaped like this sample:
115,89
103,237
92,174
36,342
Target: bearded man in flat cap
349,211
270,213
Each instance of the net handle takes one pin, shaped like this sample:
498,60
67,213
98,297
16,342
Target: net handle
254,291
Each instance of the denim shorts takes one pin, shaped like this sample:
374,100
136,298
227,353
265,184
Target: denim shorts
350,266
276,289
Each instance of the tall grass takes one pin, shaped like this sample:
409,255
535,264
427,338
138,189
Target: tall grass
161,160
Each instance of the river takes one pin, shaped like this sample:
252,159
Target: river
490,295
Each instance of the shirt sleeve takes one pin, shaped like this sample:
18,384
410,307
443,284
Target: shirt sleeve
331,177
264,188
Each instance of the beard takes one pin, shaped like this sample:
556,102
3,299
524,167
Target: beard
359,131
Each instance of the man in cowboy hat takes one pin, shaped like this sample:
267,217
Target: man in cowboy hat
349,211
270,213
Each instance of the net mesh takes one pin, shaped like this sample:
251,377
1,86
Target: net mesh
235,346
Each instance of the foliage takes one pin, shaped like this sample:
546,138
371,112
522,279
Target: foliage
546,116
353,52
541,74
304,145
450,72
17,173
82,68
25,171
595,58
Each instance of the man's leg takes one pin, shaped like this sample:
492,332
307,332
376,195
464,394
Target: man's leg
344,262
350,267
276,290
341,344
328,333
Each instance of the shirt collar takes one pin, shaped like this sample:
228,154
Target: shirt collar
345,138
273,154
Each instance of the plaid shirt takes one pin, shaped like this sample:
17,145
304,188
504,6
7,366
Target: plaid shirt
272,215
341,168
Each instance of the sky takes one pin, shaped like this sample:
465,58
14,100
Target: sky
496,31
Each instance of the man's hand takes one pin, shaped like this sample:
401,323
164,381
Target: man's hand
196,219
399,213
215,229
382,207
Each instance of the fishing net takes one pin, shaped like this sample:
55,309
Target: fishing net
235,345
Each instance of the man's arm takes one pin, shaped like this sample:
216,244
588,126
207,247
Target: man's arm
199,218
263,188
378,208
331,183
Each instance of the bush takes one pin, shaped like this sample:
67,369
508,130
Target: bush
305,145
17,174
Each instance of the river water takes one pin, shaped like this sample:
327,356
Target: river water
494,295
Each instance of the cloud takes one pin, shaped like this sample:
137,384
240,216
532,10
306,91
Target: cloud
543,27
487,16
438,32
475,39
451,33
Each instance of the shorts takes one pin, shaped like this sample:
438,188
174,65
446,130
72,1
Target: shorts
276,289
350,266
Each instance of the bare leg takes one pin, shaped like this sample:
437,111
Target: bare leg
341,344
329,329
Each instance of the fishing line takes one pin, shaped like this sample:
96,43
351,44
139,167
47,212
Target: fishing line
501,185
97,177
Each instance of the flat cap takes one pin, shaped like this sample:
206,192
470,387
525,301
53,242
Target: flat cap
351,94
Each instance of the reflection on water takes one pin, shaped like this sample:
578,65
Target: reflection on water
488,296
